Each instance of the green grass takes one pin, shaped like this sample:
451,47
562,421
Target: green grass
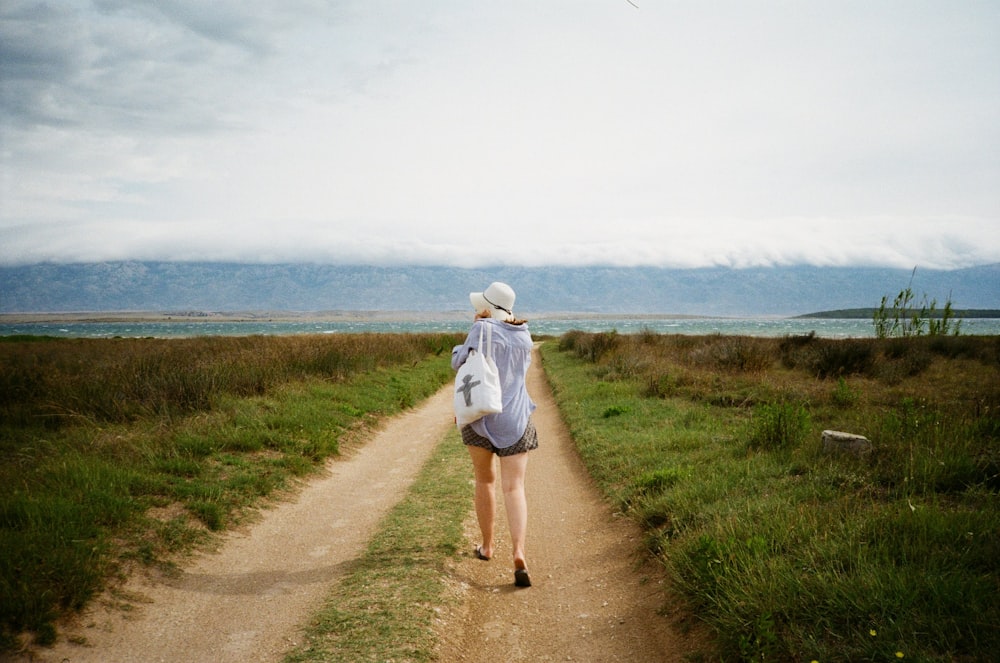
713,445
385,609
83,497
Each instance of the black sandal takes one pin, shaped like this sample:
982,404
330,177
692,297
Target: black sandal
521,578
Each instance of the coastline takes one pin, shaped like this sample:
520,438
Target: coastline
136,324
309,316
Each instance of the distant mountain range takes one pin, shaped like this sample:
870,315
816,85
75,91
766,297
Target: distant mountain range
717,291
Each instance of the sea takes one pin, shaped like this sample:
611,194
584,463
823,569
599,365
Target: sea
541,326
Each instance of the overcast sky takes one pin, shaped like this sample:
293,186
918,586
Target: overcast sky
551,132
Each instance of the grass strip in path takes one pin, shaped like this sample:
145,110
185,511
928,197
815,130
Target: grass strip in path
384,610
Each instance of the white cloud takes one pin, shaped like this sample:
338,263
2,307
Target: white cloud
524,133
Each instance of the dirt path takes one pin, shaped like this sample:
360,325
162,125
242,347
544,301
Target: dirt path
247,601
593,598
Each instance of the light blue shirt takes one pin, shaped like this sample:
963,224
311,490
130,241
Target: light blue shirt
512,353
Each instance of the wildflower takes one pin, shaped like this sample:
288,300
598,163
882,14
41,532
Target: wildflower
872,633
899,654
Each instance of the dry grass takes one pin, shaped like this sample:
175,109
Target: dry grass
55,382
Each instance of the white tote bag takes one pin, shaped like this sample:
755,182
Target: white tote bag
477,384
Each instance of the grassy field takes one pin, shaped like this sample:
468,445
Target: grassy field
122,452
713,444
132,451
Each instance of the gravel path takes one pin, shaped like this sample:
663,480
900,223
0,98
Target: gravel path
594,598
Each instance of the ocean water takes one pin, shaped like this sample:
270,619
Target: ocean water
834,328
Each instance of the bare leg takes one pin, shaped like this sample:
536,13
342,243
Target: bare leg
485,495
512,470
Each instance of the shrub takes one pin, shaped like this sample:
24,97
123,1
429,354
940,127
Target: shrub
961,347
842,357
843,395
589,346
778,426
600,344
569,340
904,319
737,354
624,366
794,350
661,385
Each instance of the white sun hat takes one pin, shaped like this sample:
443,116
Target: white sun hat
498,299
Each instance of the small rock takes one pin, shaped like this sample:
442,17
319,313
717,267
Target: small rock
840,442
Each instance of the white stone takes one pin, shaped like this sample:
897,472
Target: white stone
838,441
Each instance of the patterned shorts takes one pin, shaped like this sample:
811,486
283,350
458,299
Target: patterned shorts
527,442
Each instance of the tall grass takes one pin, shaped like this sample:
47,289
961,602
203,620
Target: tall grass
117,380
787,552
117,452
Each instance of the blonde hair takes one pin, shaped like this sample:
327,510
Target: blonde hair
515,321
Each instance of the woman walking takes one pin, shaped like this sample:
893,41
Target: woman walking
508,435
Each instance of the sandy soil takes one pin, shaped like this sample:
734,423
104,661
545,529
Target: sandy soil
594,597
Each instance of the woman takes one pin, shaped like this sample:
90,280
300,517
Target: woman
510,434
